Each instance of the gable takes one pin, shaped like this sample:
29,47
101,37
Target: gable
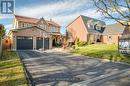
42,21
77,28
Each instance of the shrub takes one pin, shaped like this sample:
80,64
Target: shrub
76,41
82,43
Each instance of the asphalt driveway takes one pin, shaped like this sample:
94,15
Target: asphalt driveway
53,68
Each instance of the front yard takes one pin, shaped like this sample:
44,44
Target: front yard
104,51
11,70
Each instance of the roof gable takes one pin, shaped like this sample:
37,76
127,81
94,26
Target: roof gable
42,21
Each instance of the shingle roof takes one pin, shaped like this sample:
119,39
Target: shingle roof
93,21
34,20
114,29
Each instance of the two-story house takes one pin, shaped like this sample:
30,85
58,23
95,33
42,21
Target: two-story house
32,33
85,28
93,30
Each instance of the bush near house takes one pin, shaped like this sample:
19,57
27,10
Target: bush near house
104,51
11,70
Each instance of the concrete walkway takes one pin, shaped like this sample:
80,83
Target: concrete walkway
59,68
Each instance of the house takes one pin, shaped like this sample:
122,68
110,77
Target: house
93,30
112,33
85,28
32,33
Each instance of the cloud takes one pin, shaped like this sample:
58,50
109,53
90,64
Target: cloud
62,11
51,9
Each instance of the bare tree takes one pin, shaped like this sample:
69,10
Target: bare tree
119,10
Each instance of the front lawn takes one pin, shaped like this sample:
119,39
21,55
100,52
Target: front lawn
11,70
105,51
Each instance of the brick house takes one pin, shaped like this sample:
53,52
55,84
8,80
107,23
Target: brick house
112,33
33,33
90,29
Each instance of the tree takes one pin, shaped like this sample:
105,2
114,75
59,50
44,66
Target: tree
119,10
76,41
2,34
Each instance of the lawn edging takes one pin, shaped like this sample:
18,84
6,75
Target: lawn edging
26,73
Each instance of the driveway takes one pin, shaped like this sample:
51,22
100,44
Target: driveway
54,68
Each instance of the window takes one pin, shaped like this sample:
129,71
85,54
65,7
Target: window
98,28
88,25
23,24
91,27
42,26
109,38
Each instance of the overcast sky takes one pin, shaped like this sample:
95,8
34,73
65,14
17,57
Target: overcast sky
61,11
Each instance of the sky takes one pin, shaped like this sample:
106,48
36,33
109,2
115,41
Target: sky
60,11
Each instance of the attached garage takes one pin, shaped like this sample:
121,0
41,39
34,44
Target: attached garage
46,43
39,43
24,43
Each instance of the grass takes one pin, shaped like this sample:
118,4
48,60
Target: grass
104,51
11,70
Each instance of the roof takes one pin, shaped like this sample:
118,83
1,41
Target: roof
114,29
34,20
93,21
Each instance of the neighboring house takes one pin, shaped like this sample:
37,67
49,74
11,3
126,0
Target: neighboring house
33,33
93,30
86,29
112,33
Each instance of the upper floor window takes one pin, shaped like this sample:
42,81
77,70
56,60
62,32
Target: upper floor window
43,26
98,28
23,25
90,26
53,29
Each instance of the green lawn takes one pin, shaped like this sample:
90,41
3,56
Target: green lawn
105,51
11,70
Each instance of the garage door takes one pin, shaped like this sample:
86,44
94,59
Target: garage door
24,43
39,43
46,43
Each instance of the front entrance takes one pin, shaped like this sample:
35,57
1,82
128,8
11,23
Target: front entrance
54,42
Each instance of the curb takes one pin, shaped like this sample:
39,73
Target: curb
26,73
